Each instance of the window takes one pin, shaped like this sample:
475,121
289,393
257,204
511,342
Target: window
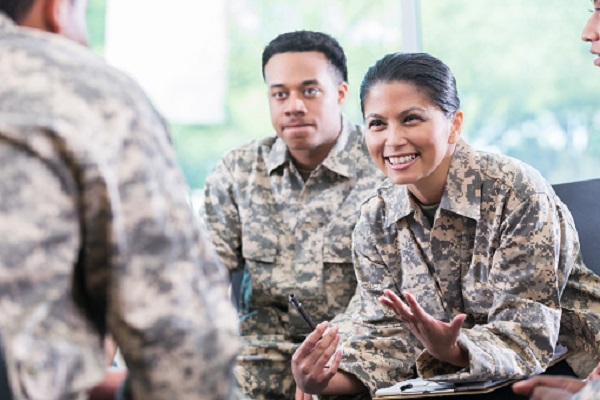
526,80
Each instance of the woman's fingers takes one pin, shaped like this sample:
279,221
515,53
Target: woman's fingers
300,395
457,323
418,312
310,360
333,368
316,350
307,347
393,301
327,347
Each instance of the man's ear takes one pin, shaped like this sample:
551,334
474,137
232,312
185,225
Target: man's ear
456,127
52,15
342,92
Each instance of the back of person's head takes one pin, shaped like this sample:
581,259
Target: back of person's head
16,9
305,41
422,70
63,17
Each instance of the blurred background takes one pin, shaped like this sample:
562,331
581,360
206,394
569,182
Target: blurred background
527,82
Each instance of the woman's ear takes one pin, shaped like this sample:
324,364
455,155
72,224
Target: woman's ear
456,127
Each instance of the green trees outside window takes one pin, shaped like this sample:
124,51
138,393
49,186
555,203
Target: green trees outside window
527,83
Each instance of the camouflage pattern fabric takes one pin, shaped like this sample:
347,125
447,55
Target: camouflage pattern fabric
591,391
503,249
289,236
97,235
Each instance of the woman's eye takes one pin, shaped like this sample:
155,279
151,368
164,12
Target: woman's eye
412,118
375,123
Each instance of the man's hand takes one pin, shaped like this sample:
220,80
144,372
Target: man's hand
548,387
310,359
439,338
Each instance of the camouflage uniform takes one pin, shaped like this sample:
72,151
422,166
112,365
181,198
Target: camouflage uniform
503,249
97,234
591,391
289,236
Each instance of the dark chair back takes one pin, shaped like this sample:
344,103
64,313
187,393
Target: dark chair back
583,200
236,287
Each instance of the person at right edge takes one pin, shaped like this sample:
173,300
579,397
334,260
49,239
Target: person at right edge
564,387
97,234
468,264
282,209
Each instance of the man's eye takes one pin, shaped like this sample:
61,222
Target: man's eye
311,91
279,95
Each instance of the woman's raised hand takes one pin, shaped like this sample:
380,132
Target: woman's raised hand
439,338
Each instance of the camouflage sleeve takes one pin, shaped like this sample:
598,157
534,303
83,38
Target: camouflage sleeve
380,351
591,391
51,350
170,314
220,212
346,320
523,323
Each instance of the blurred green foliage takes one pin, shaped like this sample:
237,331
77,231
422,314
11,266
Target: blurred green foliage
96,20
527,83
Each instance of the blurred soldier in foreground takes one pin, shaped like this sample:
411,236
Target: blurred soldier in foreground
96,232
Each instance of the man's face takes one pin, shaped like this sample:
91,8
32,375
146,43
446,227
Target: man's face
591,32
305,100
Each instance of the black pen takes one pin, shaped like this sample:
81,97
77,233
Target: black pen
405,387
298,306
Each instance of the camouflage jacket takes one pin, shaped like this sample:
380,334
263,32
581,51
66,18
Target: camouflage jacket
290,236
503,249
97,235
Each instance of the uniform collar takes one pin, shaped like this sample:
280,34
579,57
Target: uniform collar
462,192
339,160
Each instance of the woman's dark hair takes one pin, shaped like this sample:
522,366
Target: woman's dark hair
16,9
422,70
302,41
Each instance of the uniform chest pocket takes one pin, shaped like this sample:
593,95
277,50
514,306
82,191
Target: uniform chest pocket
259,244
337,242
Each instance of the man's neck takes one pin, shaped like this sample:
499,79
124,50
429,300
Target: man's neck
310,159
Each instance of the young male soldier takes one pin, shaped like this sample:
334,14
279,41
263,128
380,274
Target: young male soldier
95,227
283,208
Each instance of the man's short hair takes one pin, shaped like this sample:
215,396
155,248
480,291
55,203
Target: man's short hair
304,41
16,9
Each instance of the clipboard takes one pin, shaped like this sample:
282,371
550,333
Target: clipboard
419,388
